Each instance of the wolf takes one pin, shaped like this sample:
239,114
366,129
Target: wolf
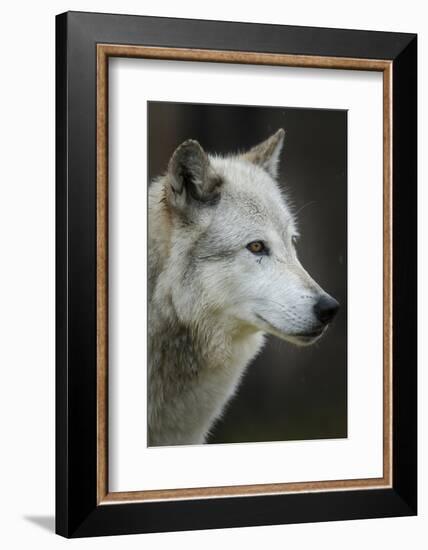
223,272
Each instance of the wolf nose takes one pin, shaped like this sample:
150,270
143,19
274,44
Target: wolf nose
326,308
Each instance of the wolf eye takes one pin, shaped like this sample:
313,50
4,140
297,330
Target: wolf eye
294,239
257,247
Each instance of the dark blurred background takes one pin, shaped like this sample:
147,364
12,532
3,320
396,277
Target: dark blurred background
287,393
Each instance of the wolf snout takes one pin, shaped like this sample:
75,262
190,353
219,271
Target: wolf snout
326,309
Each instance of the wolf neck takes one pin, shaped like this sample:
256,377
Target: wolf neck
193,372
194,368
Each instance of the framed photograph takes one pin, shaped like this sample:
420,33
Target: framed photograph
236,274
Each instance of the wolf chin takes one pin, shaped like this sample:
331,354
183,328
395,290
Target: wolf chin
223,272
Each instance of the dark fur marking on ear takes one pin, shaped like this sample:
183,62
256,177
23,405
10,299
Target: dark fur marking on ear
211,193
192,178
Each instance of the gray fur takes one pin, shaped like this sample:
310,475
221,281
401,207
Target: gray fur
210,300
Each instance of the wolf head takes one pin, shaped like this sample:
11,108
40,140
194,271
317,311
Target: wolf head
232,252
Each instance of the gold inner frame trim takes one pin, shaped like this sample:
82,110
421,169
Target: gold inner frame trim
104,51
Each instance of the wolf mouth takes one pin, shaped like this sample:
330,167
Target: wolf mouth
312,334
304,335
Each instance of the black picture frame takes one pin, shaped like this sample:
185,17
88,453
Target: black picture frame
78,513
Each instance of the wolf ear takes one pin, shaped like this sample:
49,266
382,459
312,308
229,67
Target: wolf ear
192,179
266,154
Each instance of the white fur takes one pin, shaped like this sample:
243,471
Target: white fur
211,299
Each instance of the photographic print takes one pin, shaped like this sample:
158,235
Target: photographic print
247,274
234,265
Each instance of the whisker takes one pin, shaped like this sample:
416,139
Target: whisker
282,307
304,206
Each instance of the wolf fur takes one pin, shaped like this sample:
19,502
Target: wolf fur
212,299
